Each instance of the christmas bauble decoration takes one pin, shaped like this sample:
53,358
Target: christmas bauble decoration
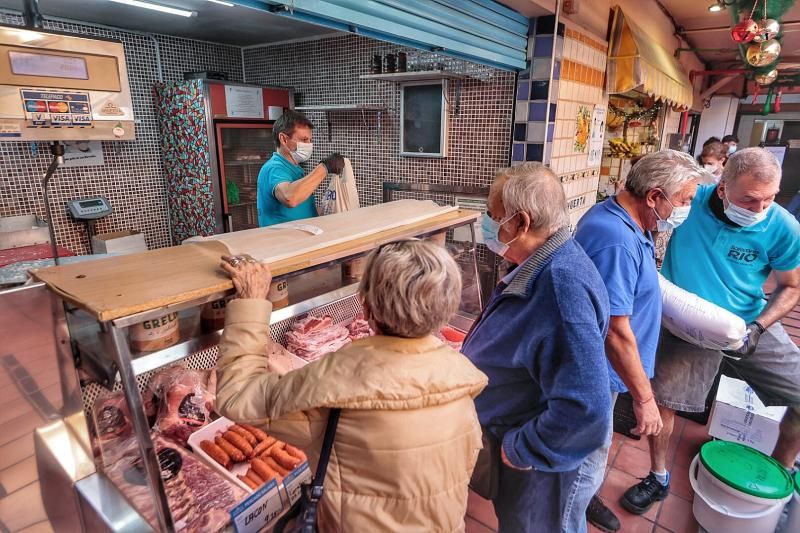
745,31
767,29
767,78
763,54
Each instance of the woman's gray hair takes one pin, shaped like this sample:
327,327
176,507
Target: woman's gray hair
534,189
411,288
668,170
757,162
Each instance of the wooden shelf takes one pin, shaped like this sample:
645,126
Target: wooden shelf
398,77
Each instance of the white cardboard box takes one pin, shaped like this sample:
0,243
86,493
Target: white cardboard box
23,230
119,242
739,416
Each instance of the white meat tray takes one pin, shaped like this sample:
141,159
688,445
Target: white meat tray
218,427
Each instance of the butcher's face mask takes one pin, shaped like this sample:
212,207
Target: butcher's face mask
300,151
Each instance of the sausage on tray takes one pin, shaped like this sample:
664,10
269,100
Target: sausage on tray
240,442
249,437
263,471
259,434
264,445
235,453
216,453
253,476
249,482
285,460
275,466
297,452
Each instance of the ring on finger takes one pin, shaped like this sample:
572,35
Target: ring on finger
234,262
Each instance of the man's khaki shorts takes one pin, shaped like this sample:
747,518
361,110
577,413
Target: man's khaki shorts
685,373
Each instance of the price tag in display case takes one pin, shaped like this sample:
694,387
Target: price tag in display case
258,511
293,483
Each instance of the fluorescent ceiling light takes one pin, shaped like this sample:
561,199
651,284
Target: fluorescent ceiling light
715,8
222,3
157,7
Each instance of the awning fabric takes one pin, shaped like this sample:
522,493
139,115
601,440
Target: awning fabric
636,62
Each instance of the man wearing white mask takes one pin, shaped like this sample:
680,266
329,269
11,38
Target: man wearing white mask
734,238
616,235
731,142
285,191
540,341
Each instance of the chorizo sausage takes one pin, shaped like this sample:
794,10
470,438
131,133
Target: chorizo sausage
262,469
235,453
263,446
259,434
297,452
285,460
254,477
275,466
249,437
216,453
239,441
249,482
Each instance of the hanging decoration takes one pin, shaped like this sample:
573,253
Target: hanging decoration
764,53
637,114
745,31
767,29
767,78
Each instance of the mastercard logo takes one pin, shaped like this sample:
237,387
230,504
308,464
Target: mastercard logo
59,107
36,106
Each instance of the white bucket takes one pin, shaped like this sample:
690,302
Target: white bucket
720,508
793,523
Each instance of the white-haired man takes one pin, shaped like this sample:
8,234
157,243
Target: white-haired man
616,235
734,238
540,341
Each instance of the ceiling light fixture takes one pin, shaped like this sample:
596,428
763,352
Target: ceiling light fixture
222,3
157,7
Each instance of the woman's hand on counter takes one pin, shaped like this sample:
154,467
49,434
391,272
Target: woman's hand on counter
250,278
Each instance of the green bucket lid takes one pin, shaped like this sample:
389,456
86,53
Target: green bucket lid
746,469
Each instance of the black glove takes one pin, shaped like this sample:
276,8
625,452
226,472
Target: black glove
754,331
334,163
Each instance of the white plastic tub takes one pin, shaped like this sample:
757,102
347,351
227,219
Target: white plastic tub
720,508
793,523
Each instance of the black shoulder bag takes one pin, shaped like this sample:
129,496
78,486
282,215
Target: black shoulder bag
306,508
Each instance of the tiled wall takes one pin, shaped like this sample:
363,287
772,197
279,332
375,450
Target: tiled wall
581,64
132,177
327,71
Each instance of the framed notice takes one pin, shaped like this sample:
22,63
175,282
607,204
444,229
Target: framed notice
244,102
596,136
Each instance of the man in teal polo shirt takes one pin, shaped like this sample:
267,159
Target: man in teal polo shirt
285,192
734,238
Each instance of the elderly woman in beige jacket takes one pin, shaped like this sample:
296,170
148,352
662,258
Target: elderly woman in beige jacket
408,435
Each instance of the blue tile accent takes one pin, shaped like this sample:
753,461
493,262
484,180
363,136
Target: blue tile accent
539,90
552,111
537,111
550,129
546,25
543,46
534,152
561,29
523,89
525,74
518,152
557,70
519,132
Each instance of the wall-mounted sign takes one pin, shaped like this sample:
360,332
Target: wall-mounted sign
244,102
596,136
582,125
83,154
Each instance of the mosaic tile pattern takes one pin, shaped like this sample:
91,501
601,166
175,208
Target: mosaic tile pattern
187,161
132,177
327,71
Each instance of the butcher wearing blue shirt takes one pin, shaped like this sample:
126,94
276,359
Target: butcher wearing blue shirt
616,235
540,341
285,192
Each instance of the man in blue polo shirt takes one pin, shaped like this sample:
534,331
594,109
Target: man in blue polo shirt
616,235
735,237
285,192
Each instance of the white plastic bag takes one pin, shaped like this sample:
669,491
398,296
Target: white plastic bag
699,321
342,194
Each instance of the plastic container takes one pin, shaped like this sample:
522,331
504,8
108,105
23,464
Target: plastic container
793,523
156,334
738,489
279,294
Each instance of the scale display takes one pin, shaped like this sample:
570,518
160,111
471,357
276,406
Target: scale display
89,208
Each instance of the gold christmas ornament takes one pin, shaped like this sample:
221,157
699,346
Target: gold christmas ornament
762,54
767,78
767,29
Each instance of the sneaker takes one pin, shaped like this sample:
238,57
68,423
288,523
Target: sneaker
639,498
601,516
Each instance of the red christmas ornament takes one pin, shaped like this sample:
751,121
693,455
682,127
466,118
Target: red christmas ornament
745,31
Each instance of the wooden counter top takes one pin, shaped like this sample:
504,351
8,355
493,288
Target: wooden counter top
125,285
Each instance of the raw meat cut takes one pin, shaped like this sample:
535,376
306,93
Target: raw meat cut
310,338
112,426
184,402
198,497
359,328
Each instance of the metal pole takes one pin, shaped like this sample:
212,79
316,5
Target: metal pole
58,158
147,451
31,14
475,265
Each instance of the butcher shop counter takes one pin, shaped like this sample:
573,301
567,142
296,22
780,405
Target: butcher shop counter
98,307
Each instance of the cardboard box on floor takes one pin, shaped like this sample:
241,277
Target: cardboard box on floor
738,415
119,242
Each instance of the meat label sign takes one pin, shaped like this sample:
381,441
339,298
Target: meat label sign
258,511
293,482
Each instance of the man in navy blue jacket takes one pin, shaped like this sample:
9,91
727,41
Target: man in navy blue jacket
540,341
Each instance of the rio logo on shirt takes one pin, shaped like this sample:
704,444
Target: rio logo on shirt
743,256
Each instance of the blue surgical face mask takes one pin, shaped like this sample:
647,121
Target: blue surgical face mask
744,217
731,149
676,218
490,229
